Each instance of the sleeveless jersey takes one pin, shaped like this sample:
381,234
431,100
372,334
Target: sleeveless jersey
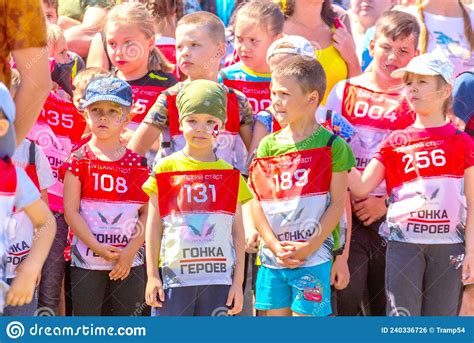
58,132
111,197
197,211
426,185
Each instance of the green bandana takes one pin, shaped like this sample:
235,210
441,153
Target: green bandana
202,96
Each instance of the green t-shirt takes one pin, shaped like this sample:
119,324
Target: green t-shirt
342,158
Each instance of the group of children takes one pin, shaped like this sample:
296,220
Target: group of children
161,191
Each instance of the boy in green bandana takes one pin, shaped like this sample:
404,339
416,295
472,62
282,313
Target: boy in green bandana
194,231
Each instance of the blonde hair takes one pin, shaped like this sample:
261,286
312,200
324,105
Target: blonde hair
137,14
265,13
85,76
424,31
54,33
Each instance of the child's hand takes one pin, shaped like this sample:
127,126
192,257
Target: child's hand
154,286
282,251
252,241
23,287
370,210
125,136
123,265
19,269
297,256
468,269
109,252
235,299
340,274
344,43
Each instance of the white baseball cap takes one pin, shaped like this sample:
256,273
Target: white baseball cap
428,64
301,46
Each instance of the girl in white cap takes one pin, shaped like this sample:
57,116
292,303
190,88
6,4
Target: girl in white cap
429,171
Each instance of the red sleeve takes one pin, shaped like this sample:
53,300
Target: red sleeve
72,165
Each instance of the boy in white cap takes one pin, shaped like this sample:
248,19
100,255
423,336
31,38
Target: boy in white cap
429,171
18,191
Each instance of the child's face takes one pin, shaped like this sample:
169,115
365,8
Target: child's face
59,51
251,43
424,94
50,14
289,101
198,130
368,11
390,55
196,52
105,119
77,95
128,47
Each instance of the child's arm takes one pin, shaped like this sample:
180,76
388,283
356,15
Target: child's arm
362,185
72,202
127,255
236,297
245,133
340,275
266,233
153,236
252,237
468,264
29,272
145,136
259,131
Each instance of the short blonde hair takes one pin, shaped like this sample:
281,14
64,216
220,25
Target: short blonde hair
213,25
54,32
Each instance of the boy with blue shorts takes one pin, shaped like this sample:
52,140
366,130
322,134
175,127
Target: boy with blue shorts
300,181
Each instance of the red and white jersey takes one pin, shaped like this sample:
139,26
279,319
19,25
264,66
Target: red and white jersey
425,180
257,92
197,211
224,144
145,92
111,197
58,132
293,191
374,115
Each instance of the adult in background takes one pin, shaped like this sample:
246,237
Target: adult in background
23,33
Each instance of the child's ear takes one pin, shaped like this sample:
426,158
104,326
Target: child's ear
313,97
221,49
4,125
372,47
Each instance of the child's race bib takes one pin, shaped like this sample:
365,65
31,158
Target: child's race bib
426,183
197,211
374,115
293,190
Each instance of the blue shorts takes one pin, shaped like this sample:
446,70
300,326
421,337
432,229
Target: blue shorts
305,290
194,301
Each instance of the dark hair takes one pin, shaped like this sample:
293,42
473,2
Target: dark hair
397,24
265,13
309,73
327,12
164,8
215,27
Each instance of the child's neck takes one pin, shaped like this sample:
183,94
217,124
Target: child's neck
107,149
166,27
201,155
303,128
383,84
134,75
211,75
434,119
263,69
